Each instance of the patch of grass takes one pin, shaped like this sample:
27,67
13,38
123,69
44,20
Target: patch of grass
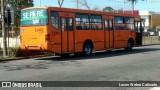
4,58
17,52
13,51
0,47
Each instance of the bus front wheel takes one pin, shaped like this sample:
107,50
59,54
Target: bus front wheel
87,49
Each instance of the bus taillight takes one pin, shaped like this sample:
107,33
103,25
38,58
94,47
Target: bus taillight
20,39
47,38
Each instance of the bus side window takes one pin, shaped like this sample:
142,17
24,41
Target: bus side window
70,24
110,24
54,19
106,25
96,22
82,22
63,24
129,23
132,27
119,23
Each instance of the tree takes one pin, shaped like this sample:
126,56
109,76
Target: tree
5,1
60,3
96,8
108,9
17,5
84,4
133,2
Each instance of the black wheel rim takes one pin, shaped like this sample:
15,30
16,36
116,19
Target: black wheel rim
130,45
87,49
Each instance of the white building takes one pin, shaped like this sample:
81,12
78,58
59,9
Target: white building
152,20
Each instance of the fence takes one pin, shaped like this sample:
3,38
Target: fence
13,42
147,40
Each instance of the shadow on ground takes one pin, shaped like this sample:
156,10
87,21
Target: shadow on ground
103,54
57,61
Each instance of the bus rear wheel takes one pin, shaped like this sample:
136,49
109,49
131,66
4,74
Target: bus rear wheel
87,49
65,55
129,46
78,54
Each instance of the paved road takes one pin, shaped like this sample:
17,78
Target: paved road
141,64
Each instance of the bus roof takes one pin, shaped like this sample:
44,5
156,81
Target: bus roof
72,10
35,7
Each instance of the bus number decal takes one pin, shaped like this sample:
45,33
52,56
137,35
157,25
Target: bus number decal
40,30
55,33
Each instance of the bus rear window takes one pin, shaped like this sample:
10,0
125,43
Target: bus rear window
34,17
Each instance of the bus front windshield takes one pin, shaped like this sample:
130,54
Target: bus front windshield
34,17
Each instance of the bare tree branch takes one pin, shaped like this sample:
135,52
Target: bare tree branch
85,4
60,3
96,8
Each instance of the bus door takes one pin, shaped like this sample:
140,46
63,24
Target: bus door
108,27
55,32
67,42
139,28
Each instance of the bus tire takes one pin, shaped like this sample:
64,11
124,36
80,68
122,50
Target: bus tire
129,46
78,54
108,51
87,49
65,55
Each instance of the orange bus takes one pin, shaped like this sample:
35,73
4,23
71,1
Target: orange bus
64,31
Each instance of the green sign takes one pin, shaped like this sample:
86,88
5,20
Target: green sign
34,17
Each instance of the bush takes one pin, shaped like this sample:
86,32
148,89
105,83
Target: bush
17,52
13,51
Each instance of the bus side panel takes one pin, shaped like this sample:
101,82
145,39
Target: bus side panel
96,36
64,42
125,35
107,41
98,39
71,41
80,37
56,41
132,35
120,38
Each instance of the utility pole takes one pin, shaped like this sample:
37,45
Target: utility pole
133,6
3,30
123,5
77,4
40,2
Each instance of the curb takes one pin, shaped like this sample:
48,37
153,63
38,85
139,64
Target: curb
151,44
13,59
147,45
20,58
